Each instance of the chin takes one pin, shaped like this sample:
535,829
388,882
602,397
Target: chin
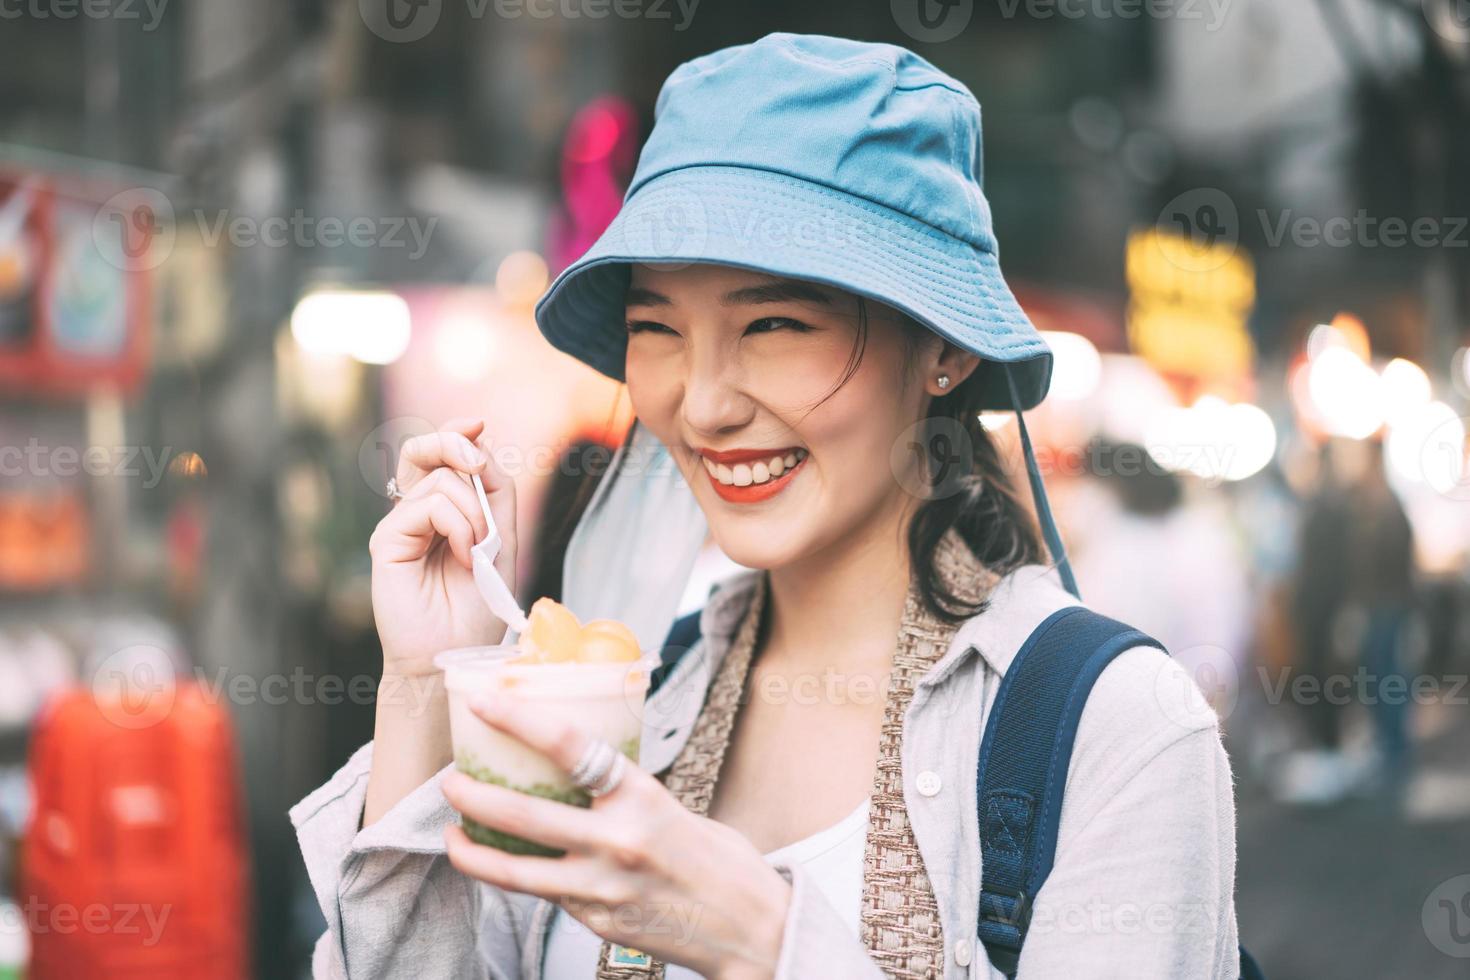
754,545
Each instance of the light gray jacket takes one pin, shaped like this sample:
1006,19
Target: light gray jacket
1143,884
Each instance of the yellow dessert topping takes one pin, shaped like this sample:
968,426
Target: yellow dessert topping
554,635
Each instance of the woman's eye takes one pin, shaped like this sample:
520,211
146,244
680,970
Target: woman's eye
647,326
770,323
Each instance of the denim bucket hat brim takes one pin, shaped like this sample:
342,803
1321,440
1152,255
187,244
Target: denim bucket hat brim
845,163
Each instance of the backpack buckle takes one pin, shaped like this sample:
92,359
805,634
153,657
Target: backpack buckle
1020,916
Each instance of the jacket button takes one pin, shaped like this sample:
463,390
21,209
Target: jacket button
962,952
928,783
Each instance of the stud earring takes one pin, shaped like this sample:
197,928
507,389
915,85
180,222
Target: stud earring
943,381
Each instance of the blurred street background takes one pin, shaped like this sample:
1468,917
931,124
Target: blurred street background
246,249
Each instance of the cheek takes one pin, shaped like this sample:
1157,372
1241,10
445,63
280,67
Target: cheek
853,434
653,388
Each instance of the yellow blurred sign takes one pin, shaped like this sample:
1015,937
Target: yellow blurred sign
1189,304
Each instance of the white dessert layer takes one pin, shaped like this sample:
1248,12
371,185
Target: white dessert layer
603,700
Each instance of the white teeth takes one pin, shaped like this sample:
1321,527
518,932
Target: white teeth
752,474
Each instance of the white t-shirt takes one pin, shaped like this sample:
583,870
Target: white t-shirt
832,857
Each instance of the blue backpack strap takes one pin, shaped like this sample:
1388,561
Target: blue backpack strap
1023,765
682,636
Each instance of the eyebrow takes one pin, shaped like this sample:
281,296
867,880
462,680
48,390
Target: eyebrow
777,291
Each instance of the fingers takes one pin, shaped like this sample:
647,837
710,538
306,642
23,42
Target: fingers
454,486
548,822
550,878
447,447
410,530
563,744
461,447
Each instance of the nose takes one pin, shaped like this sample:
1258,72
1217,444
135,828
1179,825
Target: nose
714,398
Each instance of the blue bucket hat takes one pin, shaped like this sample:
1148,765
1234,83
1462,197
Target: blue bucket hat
848,163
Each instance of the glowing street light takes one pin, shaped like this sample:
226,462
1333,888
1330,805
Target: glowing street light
368,326
1076,365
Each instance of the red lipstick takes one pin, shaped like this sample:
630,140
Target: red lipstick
732,456
755,492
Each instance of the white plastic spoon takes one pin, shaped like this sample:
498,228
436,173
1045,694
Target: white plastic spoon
496,593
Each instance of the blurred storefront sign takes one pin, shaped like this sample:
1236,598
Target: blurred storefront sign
1190,302
45,540
74,290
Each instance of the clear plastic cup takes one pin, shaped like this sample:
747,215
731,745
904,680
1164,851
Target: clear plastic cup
604,700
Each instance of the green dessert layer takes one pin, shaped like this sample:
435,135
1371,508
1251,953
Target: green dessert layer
510,843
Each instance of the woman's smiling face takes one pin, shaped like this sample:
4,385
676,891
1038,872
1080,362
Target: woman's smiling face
741,373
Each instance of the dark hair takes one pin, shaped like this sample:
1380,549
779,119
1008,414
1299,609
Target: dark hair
972,491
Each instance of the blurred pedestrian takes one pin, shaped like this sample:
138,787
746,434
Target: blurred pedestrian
1166,562
1380,583
1319,594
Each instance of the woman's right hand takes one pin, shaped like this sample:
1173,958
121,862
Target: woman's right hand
424,595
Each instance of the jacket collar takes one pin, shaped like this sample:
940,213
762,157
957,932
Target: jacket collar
726,604
1017,604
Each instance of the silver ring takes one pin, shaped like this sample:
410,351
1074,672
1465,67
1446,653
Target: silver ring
613,780
392,489
599,770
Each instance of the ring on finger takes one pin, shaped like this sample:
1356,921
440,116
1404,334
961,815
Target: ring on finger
392,490
600,769
612,780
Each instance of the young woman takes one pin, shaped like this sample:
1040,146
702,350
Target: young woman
802,295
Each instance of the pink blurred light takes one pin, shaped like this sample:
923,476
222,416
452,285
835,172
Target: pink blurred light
596,164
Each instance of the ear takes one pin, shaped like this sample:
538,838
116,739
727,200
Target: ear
955,362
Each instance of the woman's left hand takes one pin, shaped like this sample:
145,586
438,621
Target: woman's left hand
639,869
